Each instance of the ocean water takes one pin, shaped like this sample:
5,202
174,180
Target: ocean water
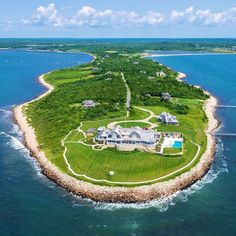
30,204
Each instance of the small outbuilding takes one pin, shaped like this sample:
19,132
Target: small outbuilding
88,103
161,74
166,97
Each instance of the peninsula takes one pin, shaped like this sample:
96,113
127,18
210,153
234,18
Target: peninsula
120,129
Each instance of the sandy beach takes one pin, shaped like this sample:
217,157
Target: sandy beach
28,131
119,194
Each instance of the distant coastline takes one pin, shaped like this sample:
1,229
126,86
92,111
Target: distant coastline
119,194
187,54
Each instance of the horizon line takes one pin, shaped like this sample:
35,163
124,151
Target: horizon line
117,38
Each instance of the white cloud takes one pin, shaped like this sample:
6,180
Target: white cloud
203,17
181,17
6,25
45,16
88,16
207,18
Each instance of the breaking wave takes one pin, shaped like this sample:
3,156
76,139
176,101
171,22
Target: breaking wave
5,116
16,144
13,142
15,130
13,138
6,122
5,112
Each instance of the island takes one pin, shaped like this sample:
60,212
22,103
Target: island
121,128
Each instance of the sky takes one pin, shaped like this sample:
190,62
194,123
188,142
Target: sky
118,18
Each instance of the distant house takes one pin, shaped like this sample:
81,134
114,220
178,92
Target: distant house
166,96
89,103
95,69
168,119
136,62
161,74
128,138
143,71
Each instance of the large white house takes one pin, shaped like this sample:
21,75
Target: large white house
128,139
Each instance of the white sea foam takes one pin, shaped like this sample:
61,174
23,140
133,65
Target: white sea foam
7,122
220,128
17,144
13,141
5,114
5,111
15,131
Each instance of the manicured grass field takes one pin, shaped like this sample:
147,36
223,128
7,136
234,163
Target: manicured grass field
75,136
128,166
134,124
172,150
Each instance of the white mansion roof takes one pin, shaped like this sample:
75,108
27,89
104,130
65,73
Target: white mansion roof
135,134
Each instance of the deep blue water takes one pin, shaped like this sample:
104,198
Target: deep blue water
30,204
20,68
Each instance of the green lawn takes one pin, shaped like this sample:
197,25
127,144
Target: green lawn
128,166
134,124
75,136
172,150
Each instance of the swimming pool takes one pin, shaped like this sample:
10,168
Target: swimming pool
177,144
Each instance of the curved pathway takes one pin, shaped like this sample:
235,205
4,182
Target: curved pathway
128,103
145,120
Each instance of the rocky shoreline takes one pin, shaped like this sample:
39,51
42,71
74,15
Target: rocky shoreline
98,193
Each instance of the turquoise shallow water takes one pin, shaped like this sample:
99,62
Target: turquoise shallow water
30,204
